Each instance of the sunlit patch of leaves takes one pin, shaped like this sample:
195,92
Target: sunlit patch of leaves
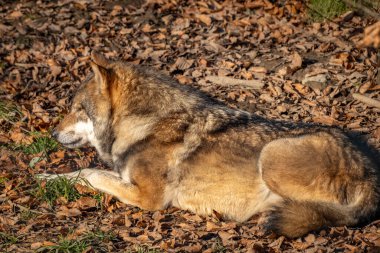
7,239
53,189
91,240
325,9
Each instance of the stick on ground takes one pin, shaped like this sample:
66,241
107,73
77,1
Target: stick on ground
229,81
366,100
360,7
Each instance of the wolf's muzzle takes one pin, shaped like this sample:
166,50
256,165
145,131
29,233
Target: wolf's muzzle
54,134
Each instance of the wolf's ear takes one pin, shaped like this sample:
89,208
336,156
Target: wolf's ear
100,65
101,76
100,60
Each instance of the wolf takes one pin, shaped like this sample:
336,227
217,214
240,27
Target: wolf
172,145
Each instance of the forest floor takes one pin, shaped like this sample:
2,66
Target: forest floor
300,70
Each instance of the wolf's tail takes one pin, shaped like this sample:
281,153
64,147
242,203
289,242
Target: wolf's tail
295,218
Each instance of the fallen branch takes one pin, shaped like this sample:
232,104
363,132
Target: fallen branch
229,81
366,100
23,208
360,7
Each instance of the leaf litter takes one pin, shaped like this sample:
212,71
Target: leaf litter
264,57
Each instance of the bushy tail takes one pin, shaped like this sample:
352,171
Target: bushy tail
296,218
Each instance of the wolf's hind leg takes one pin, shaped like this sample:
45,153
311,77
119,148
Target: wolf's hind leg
323,180
103,180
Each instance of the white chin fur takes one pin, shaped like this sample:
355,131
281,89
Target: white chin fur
78,135
84,127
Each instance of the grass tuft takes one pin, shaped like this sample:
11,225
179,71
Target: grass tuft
9,113
27,214
7,239
66,246
99,236
50,190
42,143
326,9
99,198
53,189
219,248
3,180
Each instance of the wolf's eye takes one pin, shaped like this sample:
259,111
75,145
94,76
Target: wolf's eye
77,108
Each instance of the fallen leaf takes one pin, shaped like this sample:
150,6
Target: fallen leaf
204,19
67,212
85,203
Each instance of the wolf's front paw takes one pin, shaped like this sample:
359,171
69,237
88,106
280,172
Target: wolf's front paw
79,175
46,176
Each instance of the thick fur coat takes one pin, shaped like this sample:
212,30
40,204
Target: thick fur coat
171,145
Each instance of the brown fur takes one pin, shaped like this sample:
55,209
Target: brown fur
172,145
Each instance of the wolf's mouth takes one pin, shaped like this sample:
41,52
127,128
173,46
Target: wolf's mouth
73,143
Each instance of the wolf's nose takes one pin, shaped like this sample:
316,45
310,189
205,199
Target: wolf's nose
54,134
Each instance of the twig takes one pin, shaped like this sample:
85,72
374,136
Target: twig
361,7
14,124
229,81
364,99
31,210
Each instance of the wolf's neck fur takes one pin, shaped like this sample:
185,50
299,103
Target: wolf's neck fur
145,105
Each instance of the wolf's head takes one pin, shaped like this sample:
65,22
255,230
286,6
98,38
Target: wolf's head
89,116
122,104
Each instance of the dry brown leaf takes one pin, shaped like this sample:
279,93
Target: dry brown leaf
15,77
258,69
19,137
83,189
67,212
15,14
365,87
326,120
225,236
211,226
54,67
85,203
341,58
183,79
182,64
37,245
204,19
192,248
296,61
